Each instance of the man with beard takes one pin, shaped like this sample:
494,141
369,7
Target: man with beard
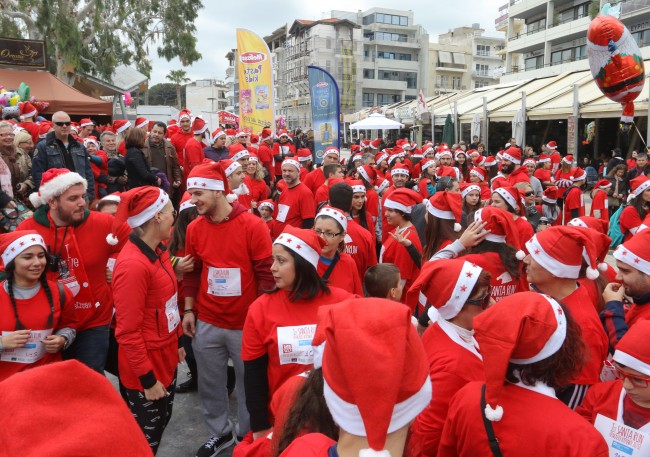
182,136
282,149
160,154
511,166
79,251
633,263
116,167
296,204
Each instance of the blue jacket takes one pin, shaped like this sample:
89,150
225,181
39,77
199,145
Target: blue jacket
49,153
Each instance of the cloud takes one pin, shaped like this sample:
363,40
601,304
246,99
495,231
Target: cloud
217,22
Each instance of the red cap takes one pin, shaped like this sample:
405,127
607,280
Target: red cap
513,154
27,110
303,242
55,182
403,200
208,176
13,243
136,207
216,134
184,114
633,350
551,145
368,173
237,151
267,134
121,125
400,169
199,126
446,205
593,223
85,122
140,123
304,154
635,252
501,226
550,194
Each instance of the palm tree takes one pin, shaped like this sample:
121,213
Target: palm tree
178,77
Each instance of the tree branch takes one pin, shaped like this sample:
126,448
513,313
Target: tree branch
83,12
29,22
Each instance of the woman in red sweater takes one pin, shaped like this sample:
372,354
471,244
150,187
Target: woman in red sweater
146,310
36,319
599,202
254,181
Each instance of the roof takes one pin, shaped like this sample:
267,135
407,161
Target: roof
46,87
124,79
307,24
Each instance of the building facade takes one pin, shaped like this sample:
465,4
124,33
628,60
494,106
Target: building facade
547,38
206,95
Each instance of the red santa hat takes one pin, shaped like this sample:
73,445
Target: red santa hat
501,227
529,160
638,185
447,284
445,153
568,160
304,154
283,134
242,132
335,214
561,250
380,157
578,174
458,152
479,161
511,195
513,154
184,114
253,157
231,132
229,166
382,185
467,187
635,252
140,123
479,172
374,144
357,186
365,144
444,170
392,158
55,182
137,206
426,163
551,145
593,223
237,151
291,161
208,176
199,126
446,205
550,195
403,200
428,149
255,139
280,186
85,122
473,153
368,173
331,150
303,242
543,158
267,134
44,403
91,139
120,125
44,128
270,204
356,157
400,169
490,161
355,148
186,203
603,184
633,350
172,130
27,110
359,361
13,243
113,198
216,134
522,329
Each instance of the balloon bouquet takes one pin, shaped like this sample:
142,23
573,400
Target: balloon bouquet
11,101
616,63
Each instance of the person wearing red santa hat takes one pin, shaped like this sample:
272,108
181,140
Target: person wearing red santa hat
181,137
27,115
550,213
146,310
316,178
456,291
86,127
530,346
38,320
266,209
306,162
633,264
296,205
471,194
334,265
555,156
381,163
510,199
511,166
192,153
553,266
574,199
121,127
282,149
142,123
638,207
217,150
109,204
625,400
239,153
359,360
368,175
443,218
543,171
359,211
399,175
227,278
599,200
78,258
254,181
280,324
563,174
99,165
402,247
462,164
478,175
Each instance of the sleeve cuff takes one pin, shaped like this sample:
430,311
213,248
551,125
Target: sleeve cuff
148,380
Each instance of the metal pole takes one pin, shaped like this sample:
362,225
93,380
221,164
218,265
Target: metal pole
576,115
487,123
456,126
433,125
523,112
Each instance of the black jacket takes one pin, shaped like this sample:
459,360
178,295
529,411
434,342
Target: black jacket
137,169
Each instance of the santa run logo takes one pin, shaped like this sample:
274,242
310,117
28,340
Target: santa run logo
252,58
626,436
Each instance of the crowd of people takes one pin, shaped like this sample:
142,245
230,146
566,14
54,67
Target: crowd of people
416,300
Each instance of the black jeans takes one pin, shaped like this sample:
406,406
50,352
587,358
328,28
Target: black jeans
152,416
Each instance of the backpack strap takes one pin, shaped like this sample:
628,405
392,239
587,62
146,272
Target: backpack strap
492,439
61,295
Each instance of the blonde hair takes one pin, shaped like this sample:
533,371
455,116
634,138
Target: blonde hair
259,171
21,136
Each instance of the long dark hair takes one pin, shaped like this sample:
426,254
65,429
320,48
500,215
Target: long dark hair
180,228
307,283
10,270
640,205
507,255
308,414
363,221
436,231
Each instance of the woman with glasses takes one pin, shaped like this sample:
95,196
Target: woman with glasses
146,310
626,399
335,266
15,164
276,340
456,291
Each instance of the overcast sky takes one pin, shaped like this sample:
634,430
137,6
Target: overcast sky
218,20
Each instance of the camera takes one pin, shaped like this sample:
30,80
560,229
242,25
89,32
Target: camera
53,262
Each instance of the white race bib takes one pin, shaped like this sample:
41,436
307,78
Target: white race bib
224,282
31,352
623,441
283,210
110,264
171,310
294,344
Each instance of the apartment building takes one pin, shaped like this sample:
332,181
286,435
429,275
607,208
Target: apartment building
206,95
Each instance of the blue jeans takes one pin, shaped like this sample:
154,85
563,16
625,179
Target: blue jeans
90,347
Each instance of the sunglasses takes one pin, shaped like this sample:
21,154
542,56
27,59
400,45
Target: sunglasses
483,301
529,194
637,381
63,124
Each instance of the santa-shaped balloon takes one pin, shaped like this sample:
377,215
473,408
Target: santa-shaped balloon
616,63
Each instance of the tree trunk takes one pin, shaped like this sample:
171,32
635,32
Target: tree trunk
178,95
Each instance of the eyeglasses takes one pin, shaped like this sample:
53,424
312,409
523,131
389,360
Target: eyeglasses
7,134
328,235
63,124
529,194
173,213
637,381
483,301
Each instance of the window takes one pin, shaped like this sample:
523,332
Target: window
328,43
368,74
455,82
536,26
390,19
409,98
385,36
569,54
444,56
482,50
642,38
410,77
393,55
481,69
368,36
480,83
387,99
369,19
534,63
459,58
573,13
368,99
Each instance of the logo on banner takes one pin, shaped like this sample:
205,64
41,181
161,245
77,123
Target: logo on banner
322,84
252,58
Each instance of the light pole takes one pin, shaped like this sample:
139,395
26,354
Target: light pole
212,99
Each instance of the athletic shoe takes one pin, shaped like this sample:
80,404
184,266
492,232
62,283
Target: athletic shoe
188,386
215,445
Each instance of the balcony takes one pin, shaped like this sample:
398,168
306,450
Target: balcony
384,84
491,74
456,67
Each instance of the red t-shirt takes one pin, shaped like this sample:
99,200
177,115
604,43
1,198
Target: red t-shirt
257,191
284,150
543,175
360,245
599,202
178,140
314,179
574,200
295,205
265,155
226,252
394,252
192,155
629,222
344,275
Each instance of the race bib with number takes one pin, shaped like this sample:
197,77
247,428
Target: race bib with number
623,441
224,282
31,352
173,316
283,211
294,344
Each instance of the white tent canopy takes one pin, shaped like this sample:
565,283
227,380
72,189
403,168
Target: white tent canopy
376,122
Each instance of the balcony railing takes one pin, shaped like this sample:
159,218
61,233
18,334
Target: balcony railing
630,6
456,66
523,34
516,69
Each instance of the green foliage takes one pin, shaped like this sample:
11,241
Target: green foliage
163,94
94,36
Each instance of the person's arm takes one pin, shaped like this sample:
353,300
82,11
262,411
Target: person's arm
88,171
39,163
263,275
613,316
172,157
139,164
256,385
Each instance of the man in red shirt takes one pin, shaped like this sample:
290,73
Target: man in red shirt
27,115
180,138
296,205
265,153
316,178
193,149
332,170
232,253
282,149
511,166
574,199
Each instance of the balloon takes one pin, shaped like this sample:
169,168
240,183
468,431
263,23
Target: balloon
127,98
615,62
14,100
23,91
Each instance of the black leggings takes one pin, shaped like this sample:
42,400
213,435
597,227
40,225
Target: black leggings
152,416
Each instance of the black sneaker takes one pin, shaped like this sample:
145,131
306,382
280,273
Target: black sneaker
215,445
188,386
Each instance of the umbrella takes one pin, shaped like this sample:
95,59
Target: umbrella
476,126
376,122
518,126
448,131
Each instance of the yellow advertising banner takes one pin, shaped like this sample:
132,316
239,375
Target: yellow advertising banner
255,82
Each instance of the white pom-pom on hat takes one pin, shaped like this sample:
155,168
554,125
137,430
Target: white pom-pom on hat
520,255
111,239
373,453
231,198
603,267
493,414
592,273
457,227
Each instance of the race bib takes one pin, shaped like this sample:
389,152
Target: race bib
171,310
31,352
623,441
283,210
110,264
224,282
294,344
71,283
